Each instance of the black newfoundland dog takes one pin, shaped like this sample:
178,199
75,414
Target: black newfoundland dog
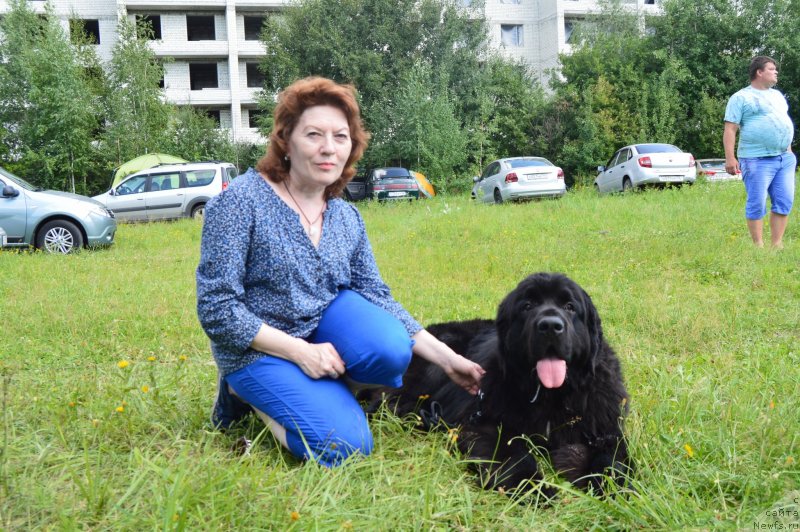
552,382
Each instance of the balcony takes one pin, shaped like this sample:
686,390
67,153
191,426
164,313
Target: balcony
190,49
204,97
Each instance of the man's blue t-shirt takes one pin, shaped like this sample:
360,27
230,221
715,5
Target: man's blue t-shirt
764,123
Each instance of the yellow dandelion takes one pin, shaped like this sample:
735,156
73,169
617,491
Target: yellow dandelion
72,404
151,358
122,364
334,446
294,516
789,460
145,388
120,409
183,358
689,450
95,422
771,405
424,396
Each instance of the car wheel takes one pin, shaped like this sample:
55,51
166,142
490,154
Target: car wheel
198,211
59,236
627,186
498,198
597,188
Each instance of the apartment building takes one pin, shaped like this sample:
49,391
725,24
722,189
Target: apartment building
214,49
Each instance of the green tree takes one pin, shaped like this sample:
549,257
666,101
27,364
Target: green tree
48,107
137,118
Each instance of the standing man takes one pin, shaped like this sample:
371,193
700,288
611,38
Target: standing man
766,161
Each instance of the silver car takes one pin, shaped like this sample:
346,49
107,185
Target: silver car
638,165
56,222
516,178
168,191
714,170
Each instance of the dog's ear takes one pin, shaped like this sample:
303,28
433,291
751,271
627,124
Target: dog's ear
594,326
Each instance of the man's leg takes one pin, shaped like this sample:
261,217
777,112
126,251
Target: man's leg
756,182
781,192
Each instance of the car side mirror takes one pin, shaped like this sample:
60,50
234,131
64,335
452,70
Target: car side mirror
112,192
601,168
476,179
10,192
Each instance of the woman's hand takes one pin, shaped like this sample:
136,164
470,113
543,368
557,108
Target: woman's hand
462,371
319,360
315,360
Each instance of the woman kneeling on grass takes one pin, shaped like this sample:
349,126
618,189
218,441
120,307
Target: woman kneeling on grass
290,295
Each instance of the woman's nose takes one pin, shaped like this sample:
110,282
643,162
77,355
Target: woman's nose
327,144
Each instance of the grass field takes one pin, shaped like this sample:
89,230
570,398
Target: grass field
107,378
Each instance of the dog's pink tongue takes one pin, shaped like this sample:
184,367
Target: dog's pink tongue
552,372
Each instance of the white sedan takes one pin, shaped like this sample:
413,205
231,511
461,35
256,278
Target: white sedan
516,178
645,164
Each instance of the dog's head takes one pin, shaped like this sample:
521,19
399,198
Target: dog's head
548,331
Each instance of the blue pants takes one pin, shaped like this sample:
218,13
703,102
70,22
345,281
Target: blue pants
773,176
322,418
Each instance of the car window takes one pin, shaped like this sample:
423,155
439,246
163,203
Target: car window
200,178
522,163
165,181
134,185
492,169
657,148
18,180
624,156
712,164
231,171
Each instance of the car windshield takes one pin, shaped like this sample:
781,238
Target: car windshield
19,181
712,164
522,163
657,148
392,173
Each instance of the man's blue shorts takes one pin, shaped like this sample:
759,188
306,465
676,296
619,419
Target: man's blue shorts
322,418
773,176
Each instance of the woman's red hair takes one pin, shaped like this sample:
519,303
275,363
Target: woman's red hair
295,99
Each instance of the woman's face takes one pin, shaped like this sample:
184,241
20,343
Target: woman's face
319,147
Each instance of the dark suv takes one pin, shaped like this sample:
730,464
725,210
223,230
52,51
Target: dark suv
383,184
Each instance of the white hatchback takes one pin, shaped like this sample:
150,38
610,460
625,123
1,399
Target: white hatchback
517,178
168,191
638,165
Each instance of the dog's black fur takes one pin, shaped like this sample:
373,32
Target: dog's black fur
577,424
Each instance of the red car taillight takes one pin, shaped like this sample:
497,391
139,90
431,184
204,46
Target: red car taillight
691,160
560,174
224,185
511,177
645,162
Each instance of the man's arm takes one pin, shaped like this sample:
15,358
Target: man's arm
729,144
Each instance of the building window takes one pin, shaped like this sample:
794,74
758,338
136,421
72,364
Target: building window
200,28
511,35
252,28
569,27
255,117
88,27
213,114
203,76
254,76
149,26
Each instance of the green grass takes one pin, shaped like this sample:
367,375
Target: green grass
707,328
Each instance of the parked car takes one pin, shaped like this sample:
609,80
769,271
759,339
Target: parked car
645,164
517,178
382,184
55,222
168,191
714,170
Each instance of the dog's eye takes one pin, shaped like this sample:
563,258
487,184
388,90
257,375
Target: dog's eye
527,306
569,307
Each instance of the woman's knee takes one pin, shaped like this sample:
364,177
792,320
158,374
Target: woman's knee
333,449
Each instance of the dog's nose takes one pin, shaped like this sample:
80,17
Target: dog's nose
551,325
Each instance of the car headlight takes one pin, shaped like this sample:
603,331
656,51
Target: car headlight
100,211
